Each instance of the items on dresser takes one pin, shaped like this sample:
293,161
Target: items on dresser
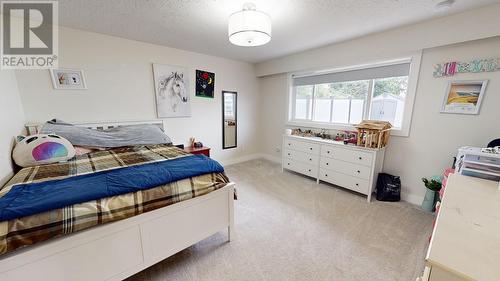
495,149
471,161
373,134
348,166
348,137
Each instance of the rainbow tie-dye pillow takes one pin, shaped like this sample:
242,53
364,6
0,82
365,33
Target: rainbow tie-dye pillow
42,149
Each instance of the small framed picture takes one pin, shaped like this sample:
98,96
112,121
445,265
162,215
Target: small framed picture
205,84
68,79
464,97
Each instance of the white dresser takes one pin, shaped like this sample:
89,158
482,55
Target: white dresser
352,167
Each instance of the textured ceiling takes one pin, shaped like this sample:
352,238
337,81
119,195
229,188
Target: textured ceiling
201,25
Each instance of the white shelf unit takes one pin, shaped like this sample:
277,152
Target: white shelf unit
472,162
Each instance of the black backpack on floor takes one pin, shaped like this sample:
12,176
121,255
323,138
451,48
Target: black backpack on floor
388,188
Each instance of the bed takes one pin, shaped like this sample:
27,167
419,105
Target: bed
114,237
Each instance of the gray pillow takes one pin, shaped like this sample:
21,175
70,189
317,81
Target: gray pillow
130,135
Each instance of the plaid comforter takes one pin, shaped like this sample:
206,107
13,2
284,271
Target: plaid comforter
43,226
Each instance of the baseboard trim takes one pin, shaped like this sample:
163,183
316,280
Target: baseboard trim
271,158
250,157
241,159
412,199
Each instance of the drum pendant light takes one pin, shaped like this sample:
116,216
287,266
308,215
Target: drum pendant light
249,27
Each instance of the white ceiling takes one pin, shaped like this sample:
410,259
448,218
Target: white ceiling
201,25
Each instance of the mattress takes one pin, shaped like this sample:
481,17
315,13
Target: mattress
26,226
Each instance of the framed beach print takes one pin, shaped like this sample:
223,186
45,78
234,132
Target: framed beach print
68,79
464,97
205,84
171,91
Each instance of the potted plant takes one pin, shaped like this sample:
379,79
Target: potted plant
433,186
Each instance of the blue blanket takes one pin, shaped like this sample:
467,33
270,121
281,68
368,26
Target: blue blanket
32,198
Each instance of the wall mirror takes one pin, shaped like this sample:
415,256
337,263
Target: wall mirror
229,119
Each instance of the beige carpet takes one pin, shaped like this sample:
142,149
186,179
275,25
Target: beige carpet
290,228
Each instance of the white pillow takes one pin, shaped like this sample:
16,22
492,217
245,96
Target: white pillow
42,149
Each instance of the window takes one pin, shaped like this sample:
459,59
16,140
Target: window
388,100
229,106
347,97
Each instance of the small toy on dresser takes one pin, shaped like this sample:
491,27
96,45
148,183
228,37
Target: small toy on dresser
194,143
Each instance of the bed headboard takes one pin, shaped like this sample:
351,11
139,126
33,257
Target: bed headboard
33,128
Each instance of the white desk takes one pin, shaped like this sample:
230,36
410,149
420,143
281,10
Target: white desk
465,244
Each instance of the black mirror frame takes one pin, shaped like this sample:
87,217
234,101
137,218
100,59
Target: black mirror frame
235,120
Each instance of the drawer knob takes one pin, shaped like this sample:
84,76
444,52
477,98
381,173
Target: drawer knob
328,151
310,159
310,148
288,164
289,144
357,184
327,163
326,175
309,170
359,171
288,154
360,158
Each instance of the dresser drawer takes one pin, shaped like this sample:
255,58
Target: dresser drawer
347,168
300,156
308,147
352,183
299,167
349,155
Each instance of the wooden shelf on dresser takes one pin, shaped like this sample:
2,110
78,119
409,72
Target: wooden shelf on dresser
348,166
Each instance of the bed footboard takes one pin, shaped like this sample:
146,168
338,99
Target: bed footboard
118,250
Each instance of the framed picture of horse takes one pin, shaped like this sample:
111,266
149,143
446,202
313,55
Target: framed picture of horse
171,91
205,84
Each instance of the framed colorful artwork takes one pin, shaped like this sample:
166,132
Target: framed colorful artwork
464,97
205,84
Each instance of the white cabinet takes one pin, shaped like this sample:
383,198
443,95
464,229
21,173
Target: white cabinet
350,167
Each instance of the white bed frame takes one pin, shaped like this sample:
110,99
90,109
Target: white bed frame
117,250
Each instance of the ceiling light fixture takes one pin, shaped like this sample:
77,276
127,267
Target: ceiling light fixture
249,27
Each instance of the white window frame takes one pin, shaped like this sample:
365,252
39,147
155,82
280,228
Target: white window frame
404,131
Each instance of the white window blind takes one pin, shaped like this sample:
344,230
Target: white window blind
394,70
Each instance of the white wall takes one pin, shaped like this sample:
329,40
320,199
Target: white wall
399,42
11,121
120,87
434,137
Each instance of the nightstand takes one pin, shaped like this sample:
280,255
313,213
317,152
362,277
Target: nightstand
198,150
